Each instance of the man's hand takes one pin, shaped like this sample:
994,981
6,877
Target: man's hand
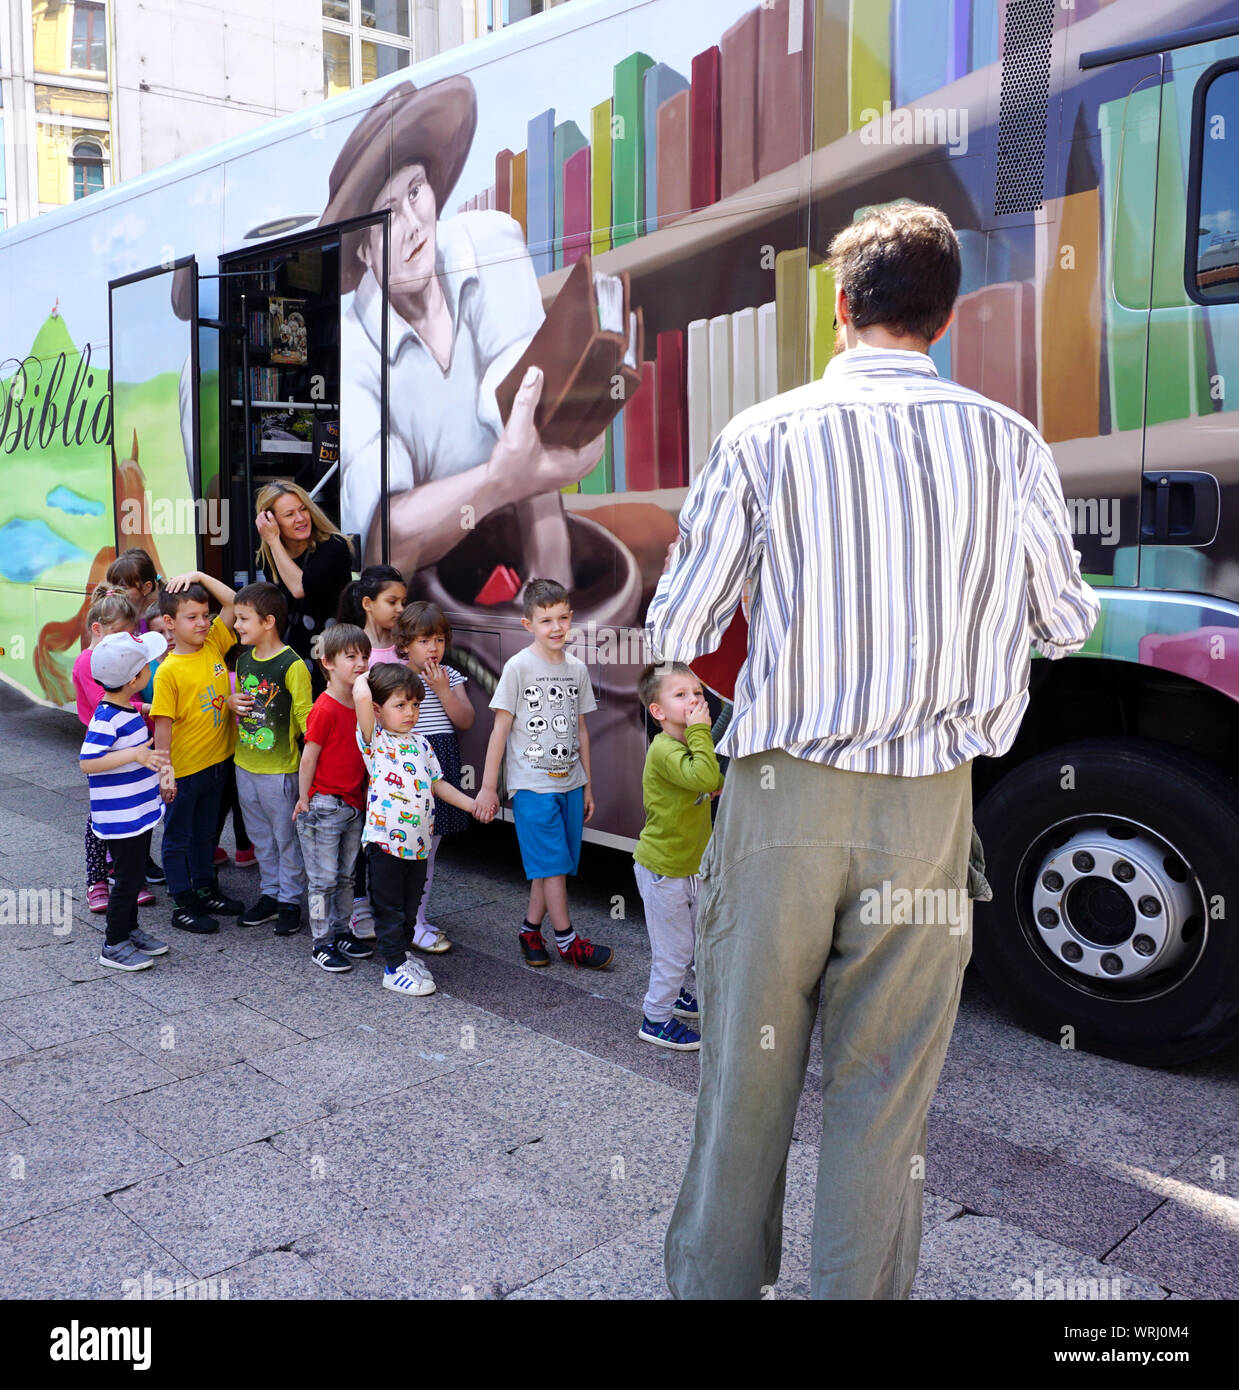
302,807
240,702
486,804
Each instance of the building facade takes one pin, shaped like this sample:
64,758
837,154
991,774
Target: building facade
95,91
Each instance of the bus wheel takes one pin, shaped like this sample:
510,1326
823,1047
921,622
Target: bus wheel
1115,870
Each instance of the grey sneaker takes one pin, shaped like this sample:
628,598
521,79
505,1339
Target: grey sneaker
146,943
126,956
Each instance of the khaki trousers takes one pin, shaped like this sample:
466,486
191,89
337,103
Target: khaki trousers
851,887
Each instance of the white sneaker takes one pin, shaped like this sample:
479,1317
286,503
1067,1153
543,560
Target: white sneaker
361,923
411,978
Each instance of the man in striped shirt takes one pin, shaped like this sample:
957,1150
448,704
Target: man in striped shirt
901,541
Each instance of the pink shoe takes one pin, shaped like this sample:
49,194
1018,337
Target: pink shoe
221,855
244,858
145,896
97,897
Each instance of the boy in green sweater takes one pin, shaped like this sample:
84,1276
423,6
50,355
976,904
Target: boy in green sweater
681,775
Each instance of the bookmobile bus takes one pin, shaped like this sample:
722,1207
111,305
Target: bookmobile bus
173,343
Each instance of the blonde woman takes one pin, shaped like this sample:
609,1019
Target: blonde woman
302,552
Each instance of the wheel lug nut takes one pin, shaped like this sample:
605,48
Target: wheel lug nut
1083,861
1124,872
1052,882
1047,917
1072,952
1150,906
1111,964
1144,945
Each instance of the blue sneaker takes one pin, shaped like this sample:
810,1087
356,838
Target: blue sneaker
686,1006
673,1034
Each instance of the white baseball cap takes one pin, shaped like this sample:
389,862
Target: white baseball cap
121,655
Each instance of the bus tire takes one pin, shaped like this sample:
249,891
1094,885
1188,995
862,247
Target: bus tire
1115,870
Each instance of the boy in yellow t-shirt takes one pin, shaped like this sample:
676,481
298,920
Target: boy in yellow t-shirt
193,723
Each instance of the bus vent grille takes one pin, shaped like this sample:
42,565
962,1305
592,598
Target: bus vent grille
1019,182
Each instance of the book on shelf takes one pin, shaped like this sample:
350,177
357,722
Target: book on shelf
784,58
628,148
520,191
589,348
503,181
738,123
540,192
286,432
672,410
576,229
568,141
661,84
704,129
674,174
600,176
289,342
641,434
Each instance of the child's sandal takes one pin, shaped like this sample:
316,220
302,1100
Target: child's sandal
432,945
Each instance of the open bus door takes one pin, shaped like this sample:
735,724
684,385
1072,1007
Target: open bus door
282,412
156,455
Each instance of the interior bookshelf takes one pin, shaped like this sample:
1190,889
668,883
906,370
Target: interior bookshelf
281,367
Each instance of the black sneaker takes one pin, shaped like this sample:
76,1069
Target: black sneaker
188,916
533,948
288,922
330,959
353,946
154,874
213,900
266,909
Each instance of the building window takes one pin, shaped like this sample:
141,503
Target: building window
87,162
336,9
392,16
380,59
336,58
89,51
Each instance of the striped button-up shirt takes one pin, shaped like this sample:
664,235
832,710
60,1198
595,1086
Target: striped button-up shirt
902,540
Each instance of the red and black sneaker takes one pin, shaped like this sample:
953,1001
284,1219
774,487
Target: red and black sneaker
533,948
582,952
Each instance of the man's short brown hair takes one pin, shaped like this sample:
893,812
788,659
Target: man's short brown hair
899,268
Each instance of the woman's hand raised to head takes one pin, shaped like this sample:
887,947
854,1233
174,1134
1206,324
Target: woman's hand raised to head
268,526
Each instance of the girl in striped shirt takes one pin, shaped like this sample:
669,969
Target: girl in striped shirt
421,635
129,782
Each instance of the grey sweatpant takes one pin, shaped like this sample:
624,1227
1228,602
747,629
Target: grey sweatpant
852,887
267,800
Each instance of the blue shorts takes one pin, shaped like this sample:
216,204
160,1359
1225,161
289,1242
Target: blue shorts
548,826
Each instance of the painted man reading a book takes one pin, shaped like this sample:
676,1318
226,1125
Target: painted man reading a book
464,304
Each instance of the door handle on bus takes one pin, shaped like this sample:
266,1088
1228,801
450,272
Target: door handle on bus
1179,507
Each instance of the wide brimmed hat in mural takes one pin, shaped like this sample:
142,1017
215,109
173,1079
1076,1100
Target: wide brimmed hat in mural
432,126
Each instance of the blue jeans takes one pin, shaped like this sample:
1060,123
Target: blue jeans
330,833
189,830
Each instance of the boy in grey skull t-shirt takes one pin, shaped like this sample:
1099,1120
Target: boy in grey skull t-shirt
540,705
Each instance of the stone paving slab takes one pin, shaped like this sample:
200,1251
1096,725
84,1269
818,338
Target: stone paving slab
630,1267
207,1038
328,1003
1081,1126
215,1112
26,972
89,1250
977,1257
52,1081
75,1011
508,987
1073,1204
227,1210
11,1045
355,1064
407,1151
46,1167
177,984
499,1235
9,1119
1191,1242
279,1274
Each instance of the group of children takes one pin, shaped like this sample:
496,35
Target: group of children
348,797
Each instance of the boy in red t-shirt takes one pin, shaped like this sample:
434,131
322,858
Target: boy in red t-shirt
329,812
